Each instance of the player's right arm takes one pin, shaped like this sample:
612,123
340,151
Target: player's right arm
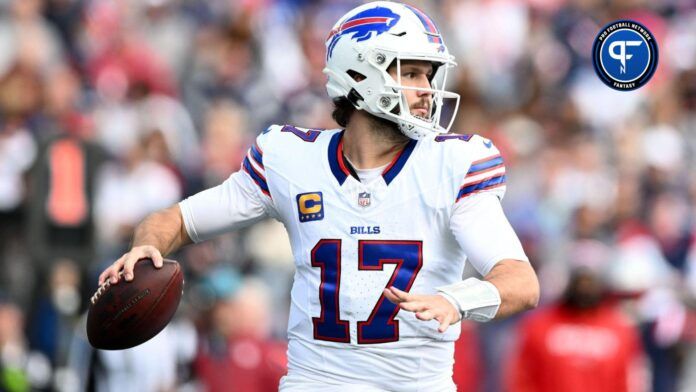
159,234
242,199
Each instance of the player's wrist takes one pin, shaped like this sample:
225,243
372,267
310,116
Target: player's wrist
453,302
475,299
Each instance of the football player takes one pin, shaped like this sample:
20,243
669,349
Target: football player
382,215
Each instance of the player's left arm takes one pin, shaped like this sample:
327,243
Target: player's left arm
509,283
510,287
517,285
479,225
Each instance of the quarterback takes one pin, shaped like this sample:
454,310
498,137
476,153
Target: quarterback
382,214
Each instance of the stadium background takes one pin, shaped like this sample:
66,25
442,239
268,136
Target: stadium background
112,109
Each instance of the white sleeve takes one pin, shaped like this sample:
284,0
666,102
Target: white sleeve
232,205
482,230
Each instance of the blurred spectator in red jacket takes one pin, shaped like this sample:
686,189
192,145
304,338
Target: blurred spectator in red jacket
580,343
467,372
236,351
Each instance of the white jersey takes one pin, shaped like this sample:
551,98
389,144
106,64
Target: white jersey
412,227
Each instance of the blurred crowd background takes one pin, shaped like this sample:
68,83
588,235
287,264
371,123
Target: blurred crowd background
111,109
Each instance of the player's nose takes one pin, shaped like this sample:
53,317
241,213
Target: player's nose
424,83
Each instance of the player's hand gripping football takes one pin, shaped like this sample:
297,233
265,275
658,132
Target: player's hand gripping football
126,263
426,307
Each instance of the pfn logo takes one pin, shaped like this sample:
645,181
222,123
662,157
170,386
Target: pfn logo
625,55
621,55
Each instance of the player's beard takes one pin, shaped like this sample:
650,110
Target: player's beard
386,130
422,104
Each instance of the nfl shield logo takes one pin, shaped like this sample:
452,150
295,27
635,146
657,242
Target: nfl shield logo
363,199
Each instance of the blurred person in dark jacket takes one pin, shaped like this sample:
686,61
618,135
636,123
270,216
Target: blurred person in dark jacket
20,94
61,198
57,211
56,311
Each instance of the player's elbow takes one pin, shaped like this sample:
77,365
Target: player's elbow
533,291
533,299
527,287
518,286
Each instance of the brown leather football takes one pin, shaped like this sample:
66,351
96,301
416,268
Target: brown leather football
126,314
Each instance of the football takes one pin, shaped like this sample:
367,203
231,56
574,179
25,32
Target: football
126,314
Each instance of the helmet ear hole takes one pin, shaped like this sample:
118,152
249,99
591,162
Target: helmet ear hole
357,76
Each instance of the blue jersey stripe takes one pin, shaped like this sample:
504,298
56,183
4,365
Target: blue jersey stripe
487,183
394,169
333,158
258,179
258,157
487,164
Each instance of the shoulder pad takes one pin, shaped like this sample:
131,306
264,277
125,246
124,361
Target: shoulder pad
301,134
476,161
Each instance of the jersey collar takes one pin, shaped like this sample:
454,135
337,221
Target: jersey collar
399,161
338,163
341,168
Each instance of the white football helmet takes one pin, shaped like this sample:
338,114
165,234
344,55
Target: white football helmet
366,41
